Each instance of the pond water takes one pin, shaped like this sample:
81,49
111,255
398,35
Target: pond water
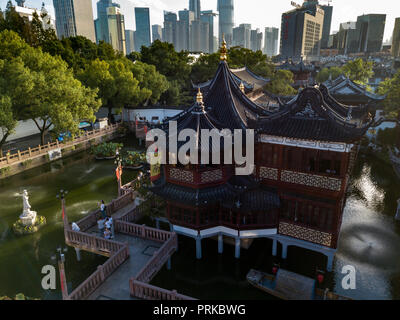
370,238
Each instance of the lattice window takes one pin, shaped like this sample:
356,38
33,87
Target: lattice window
181,175
211,176
268,173
311,180
306,234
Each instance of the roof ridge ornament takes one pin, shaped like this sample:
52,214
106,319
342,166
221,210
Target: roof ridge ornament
199,97
241,86
224,50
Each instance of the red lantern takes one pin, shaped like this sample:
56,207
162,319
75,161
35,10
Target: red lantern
320,278
274,270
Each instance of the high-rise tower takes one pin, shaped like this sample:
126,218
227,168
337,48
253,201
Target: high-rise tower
226,23
194,5
74,18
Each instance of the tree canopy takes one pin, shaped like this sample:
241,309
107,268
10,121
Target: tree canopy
391,88
42,88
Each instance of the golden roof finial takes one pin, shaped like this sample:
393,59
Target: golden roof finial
199,98
241,86
224,50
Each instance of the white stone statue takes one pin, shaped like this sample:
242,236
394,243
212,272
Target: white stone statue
27,217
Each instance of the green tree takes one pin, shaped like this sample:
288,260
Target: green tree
32,32
149,78
54,97
15,82
174,65
391,88
255,60
205,67
116,83
327,73
359,71
57,99
281,83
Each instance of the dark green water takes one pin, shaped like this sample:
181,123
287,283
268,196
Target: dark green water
22,257
370,239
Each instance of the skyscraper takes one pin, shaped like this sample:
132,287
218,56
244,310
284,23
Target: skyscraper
116,29
396,39
143,33
242,36
101,23
156,31
256,40
170,27
301,31
199,41
370,28
326,31
186,18
226,24
194,5
271,41
73,18
130,41
347,38
208,17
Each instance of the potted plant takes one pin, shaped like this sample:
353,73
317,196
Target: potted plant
134,160
106,150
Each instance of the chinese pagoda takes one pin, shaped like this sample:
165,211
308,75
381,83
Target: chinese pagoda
302,73
304,155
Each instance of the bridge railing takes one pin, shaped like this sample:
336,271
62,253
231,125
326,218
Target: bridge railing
142,231
91,242
90,220
86,288
159,258
22,155
146,291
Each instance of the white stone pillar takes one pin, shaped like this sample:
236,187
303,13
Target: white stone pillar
237,248
78,254
284,251
274,247
329,265
220,243
198,248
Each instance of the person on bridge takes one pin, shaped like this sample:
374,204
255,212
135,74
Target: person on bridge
100,225
110,226
103,209
107,234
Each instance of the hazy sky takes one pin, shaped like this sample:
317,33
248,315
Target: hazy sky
260,13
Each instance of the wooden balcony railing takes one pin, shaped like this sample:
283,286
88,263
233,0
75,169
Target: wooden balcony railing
146,291
31,153
304,232
321,181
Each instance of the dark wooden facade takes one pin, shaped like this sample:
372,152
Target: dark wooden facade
304,155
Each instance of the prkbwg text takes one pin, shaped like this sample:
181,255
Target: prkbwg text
201,309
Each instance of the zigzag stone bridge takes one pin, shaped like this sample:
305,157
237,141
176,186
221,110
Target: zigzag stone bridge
135,255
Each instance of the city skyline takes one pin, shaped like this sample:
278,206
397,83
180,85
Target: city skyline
344,11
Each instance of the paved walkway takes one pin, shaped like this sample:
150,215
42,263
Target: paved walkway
116,286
